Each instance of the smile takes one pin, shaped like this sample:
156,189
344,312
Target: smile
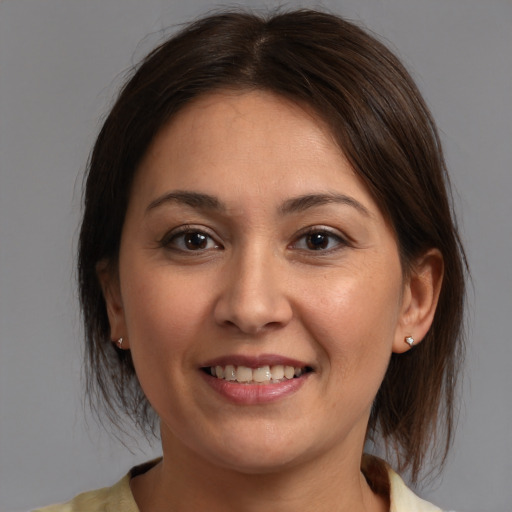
262,375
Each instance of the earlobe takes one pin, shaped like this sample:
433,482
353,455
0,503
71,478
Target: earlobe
420,298
109,281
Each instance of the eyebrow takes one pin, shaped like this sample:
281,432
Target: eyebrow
193,199
292,205
302,203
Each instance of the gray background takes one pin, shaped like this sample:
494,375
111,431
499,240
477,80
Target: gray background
60,64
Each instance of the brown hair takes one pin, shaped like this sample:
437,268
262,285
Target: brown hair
383,126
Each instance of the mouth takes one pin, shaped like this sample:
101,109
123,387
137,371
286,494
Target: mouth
262,375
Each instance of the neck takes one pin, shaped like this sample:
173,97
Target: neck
184,482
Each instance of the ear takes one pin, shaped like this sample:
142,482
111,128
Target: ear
420,297
109,281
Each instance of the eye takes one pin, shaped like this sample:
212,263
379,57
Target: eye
189,239
319,239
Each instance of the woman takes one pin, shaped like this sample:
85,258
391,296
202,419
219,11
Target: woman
268,262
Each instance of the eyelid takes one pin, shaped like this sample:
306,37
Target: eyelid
183,229
344,240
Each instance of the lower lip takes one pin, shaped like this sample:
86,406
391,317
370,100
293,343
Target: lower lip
249,394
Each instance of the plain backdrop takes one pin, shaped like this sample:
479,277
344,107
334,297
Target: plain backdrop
61,62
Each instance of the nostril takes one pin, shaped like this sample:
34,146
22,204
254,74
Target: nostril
252,304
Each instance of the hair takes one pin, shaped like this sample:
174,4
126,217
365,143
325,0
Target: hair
383,126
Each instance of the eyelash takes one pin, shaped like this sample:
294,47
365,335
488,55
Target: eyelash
326,232
170,239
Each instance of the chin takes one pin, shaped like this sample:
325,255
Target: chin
267,455
256,463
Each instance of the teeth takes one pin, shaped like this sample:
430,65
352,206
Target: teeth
261,375
229,372
243,374
277,372
289,372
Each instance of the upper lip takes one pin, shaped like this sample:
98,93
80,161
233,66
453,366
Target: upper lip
255,361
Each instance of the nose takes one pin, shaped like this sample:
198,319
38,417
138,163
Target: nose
254,296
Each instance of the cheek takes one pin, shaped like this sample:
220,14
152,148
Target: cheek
163,314
354,307
354,322
164,317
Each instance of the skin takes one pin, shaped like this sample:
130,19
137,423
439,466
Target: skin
258,286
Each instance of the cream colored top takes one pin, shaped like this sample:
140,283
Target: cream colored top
119,498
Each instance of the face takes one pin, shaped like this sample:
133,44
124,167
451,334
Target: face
250,246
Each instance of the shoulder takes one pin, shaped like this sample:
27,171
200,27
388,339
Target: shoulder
404,500
383,479
117,498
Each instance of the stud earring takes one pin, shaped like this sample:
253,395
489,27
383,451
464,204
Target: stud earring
120,342
409,340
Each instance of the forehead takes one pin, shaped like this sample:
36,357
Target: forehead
252,119
247,148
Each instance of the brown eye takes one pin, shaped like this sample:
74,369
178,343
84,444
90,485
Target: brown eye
317,241
189,240
195,241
